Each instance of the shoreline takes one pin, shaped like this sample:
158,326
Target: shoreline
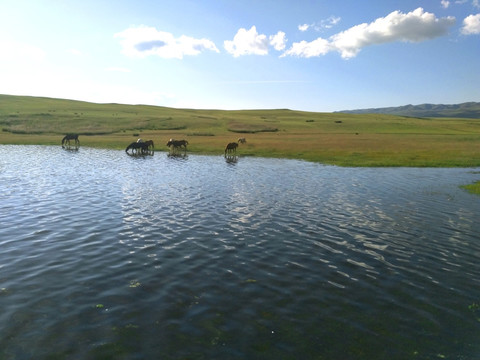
473,188
220,152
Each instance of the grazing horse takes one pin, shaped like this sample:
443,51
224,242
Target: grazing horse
177,144
231,147
68,137
149,143
242,140
136,146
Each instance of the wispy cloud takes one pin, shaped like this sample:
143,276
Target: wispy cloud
414,26
250,42
322,25
475,3
145,41
471,25
445,3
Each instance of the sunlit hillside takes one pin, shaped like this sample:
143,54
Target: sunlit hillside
333,138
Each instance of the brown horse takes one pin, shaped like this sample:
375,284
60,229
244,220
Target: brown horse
231,147
242,140
66,139
135,147
175,144
149,144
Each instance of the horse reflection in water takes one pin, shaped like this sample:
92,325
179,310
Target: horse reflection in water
66,141
176,145
140,147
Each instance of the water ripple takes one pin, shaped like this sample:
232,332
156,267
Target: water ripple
106,255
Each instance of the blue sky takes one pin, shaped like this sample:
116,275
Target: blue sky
312,55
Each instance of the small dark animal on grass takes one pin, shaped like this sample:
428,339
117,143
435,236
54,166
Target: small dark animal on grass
242,140
231,148
68,137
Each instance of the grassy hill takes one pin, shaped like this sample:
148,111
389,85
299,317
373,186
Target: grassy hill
465,110
330,138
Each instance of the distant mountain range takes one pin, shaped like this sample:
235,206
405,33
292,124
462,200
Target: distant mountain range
464,110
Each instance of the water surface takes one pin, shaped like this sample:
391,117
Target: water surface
104,255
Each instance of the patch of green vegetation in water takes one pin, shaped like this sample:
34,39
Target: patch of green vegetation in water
472,188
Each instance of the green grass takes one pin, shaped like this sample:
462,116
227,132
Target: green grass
472,188
330,138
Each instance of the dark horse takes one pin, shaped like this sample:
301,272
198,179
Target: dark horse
68,137
149,144
136,147
175,144
231,147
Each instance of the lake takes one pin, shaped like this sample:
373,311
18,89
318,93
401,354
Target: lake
105,255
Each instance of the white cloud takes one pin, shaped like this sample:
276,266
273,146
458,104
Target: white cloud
278,41
414,26
330,22
445,3
309,49
144,41
303,27
250,42
322,25
247,42
471,25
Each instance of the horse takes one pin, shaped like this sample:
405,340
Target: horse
231,147
68,137
242,140
149,144
136,146
177,144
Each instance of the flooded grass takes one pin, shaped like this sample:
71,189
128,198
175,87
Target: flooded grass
473,188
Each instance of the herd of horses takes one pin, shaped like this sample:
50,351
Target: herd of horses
141,147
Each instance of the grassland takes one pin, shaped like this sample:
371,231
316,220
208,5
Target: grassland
330,138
